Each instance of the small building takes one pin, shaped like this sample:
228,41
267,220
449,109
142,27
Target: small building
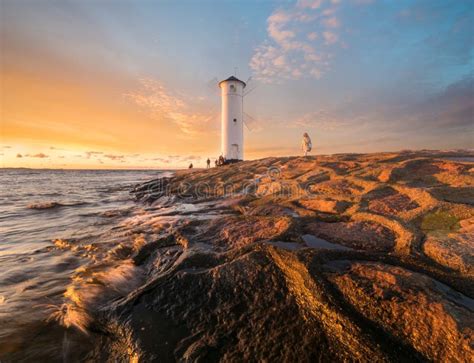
232,122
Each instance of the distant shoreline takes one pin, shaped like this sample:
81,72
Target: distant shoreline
457,153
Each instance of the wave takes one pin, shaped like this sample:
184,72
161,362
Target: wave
52,205
91,290
44,205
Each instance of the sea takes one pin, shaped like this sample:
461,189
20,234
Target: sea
64,240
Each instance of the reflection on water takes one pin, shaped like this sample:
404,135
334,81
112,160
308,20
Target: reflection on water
63,241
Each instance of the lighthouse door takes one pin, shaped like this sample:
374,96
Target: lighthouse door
235,151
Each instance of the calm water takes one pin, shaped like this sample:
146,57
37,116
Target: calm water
59,229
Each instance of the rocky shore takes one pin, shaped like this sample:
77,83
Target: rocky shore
354,257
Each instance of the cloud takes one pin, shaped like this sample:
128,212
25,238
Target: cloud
449,109
332,22
39,155
447,113
7,147
191,116
89,154
56,148
330,37
19,155
162,160
309,4
114,157
300,42
177,159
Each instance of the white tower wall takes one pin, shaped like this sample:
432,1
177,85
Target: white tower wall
232,125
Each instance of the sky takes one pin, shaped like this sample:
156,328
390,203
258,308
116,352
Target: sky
133,84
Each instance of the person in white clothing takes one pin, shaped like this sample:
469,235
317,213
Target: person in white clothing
306,144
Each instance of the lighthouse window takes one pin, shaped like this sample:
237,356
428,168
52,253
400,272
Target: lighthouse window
232,88
235,120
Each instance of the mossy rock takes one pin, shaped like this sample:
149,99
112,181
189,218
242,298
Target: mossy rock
440,220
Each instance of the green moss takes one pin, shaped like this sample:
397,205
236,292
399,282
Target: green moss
439,220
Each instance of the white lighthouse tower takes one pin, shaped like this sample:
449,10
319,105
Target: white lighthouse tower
232,122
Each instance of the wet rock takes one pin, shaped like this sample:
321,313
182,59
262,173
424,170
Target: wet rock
260,304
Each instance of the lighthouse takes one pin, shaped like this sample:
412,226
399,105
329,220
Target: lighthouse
232,122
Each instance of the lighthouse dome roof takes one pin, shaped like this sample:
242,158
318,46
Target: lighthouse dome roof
232,78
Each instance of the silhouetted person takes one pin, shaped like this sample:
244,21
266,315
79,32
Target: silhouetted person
306,144
215,162
208,163
190,166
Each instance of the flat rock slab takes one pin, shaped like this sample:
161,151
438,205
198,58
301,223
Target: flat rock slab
324,205
392,204
231,232
436,320
361,235
453,250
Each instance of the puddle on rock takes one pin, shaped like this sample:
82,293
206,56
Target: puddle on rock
315,242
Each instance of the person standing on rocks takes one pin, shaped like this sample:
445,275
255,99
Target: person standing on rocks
208,163
306,144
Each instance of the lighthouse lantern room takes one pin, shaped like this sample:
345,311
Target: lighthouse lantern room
232,123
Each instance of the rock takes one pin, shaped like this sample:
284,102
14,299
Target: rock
391,203
453,250
231,232
228,277
454,195
255,304
324,205
336,187
416,172
363,235
434,319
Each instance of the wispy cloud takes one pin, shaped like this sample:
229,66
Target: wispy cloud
114,157
188,113
19,155
39,155
330,37
90,154
56,148
300,41
177,159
